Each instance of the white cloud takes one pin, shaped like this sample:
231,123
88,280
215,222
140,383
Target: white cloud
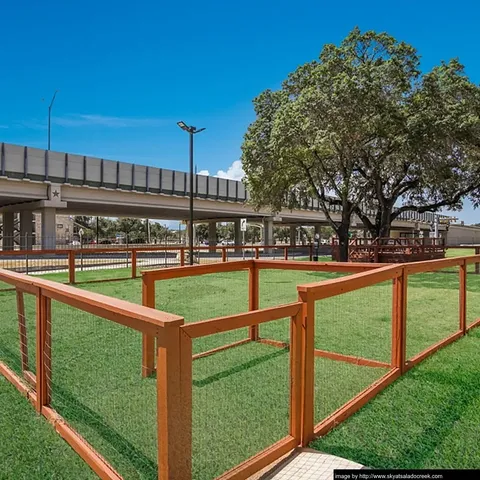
85,120
234,172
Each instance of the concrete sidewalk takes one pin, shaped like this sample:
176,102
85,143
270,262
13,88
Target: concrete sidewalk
305,464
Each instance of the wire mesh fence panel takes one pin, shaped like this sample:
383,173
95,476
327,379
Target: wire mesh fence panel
34,263
240,405
205,256
473,268
357,323
277,287
97,387
432,308
204,297
98,265
129,290
17,329
473,297
337,382
239,253
158,259
298,252
272,253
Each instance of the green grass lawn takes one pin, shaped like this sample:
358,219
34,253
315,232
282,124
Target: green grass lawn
459,252
240,396
29,447
427,419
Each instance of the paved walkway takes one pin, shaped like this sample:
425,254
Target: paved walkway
307,464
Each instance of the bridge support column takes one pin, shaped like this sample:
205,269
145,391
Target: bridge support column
8,230
49,228
212,234
26,229
268,233
293,235
238,233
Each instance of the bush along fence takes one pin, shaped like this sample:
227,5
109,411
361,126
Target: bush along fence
167,346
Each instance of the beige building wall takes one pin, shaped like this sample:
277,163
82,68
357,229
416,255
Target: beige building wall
463,234
64,228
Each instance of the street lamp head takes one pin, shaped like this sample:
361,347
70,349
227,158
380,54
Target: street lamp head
183,126
188,129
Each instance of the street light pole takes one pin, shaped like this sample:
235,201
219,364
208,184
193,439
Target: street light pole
190,223
191,131
49,117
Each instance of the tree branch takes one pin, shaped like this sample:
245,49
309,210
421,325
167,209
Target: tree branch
432,207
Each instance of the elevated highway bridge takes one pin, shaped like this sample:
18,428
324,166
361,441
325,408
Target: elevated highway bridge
49,182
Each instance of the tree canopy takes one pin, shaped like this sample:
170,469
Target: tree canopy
363,128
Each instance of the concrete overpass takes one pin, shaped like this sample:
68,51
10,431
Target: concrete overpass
36,180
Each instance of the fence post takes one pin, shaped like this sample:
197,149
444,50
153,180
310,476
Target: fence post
477,265
182,256
43,350
253,298
463,296
308,367
399,321
311,252
296,376
148,342
257,253
71,267
134,263
174,404
22,329
286,253
224,254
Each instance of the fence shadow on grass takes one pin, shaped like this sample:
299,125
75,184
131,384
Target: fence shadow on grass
239,368
9,357
462,395
73,410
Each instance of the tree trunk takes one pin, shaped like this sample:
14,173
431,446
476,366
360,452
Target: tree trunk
342,233
385,222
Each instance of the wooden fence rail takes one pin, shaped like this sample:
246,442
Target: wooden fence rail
167,348
73,260
362,276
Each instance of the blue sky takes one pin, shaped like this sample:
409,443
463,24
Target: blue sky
128,71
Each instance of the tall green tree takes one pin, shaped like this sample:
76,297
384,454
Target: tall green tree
201,232
133,228
362,129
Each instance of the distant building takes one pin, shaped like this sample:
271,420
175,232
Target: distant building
64,228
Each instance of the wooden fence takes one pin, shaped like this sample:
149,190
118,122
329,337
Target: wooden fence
167,348
392,250
37,386
71,261
302,349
